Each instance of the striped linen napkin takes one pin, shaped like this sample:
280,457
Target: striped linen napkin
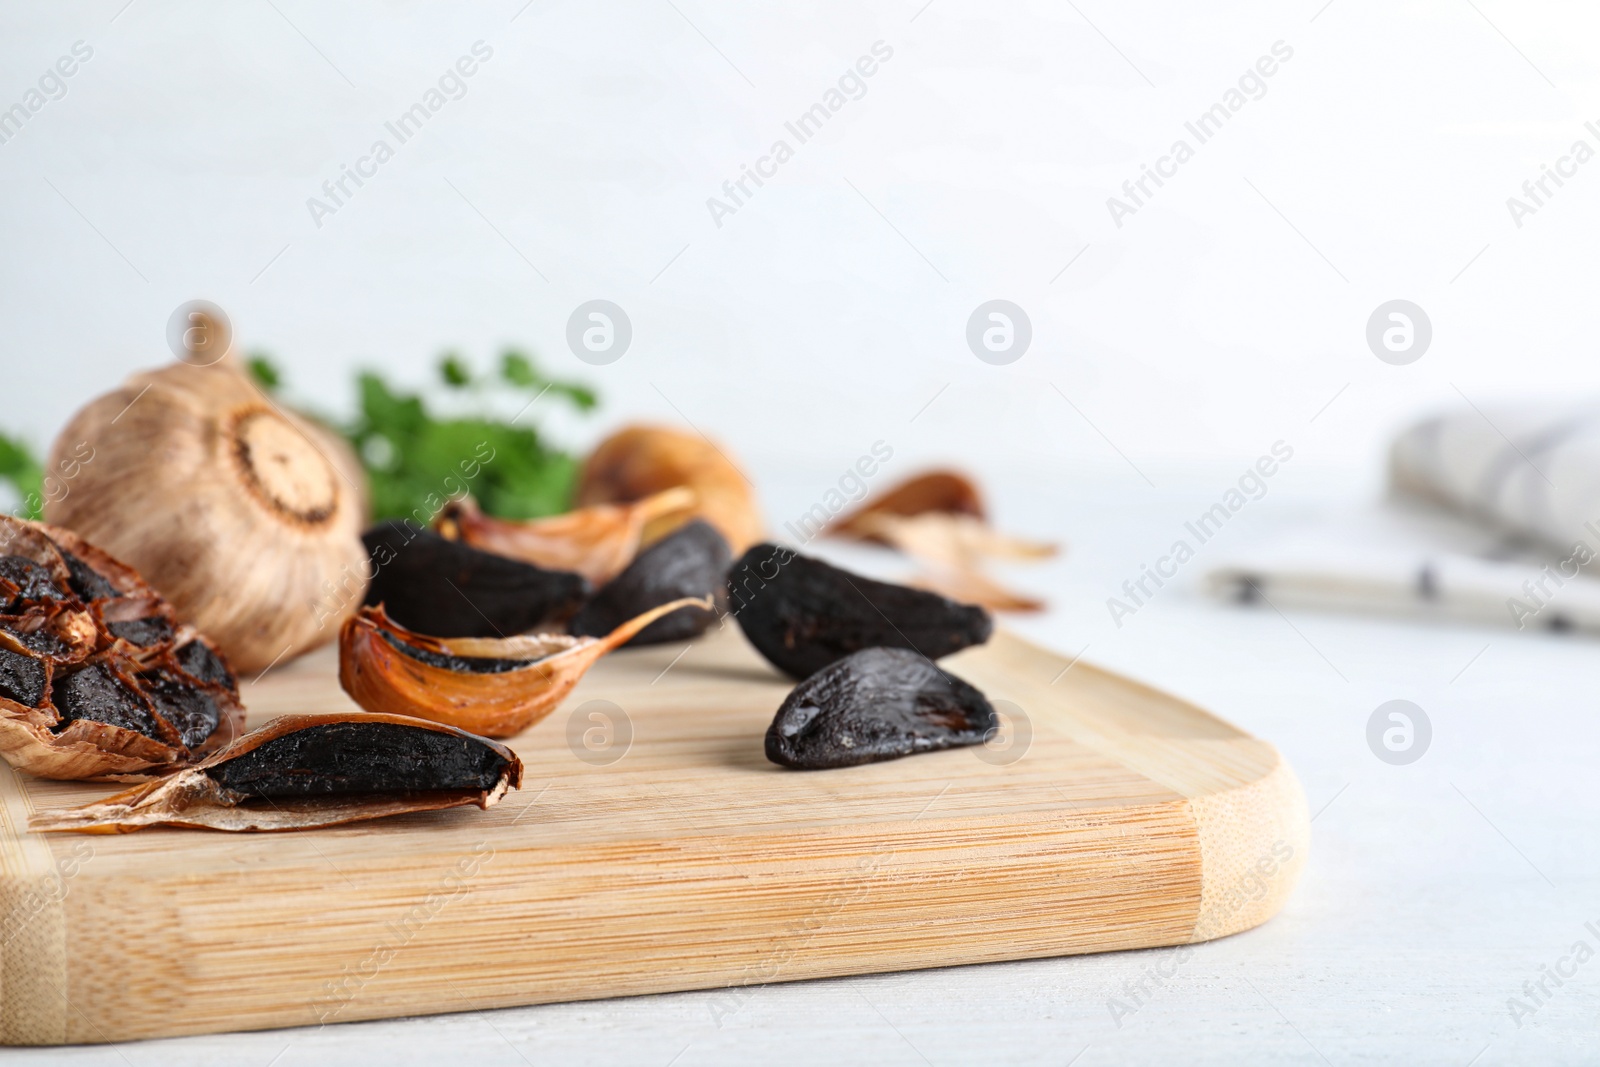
1493,517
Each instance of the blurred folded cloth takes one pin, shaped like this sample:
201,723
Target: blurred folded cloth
1492,518
1528,470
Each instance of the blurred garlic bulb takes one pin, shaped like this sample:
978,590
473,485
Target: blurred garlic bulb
246,517
639,461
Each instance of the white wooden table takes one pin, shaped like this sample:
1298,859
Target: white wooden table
1434,891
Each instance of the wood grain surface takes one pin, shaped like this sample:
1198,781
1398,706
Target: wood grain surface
654,848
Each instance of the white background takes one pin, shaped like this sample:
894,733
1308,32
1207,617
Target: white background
805,327
828,311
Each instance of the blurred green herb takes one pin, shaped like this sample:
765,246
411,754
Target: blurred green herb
263,371
416,460
20,469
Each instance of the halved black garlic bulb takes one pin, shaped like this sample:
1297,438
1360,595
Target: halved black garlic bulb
878,704
97,679
803,614
692,561
304,771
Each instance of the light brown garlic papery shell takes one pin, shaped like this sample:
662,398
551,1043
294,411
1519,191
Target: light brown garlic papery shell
938,518
383,678
346,464
597,542
228,505
941,491
637,461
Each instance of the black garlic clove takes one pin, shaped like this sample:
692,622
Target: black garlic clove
100,693
88,583
878,704
304,771
23,678
201,663
24,579
193,711
692,561
142,632
445,588
363,756
803,614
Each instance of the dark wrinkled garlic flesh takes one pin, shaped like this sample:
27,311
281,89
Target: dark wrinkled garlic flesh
304,771
803,614
445,588
878,704
96,678
492,686
692,561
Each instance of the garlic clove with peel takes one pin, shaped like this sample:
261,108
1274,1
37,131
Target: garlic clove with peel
496,687
301,772
245,517
597,542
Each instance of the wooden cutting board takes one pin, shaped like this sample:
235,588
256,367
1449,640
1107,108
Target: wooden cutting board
653,848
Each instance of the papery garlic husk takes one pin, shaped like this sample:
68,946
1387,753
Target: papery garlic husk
243,515
944,492
597,542
497,687
97,680
973,586
938,519
637,461
953,549
300,772
951,540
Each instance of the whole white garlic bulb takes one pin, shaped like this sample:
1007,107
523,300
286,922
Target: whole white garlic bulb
246,517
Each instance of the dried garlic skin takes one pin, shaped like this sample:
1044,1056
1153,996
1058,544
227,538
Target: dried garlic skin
271,507
803,614
944,492
497,687
938,519
305,771
638,461
96,677
878,704
692,561
596,542
433,585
